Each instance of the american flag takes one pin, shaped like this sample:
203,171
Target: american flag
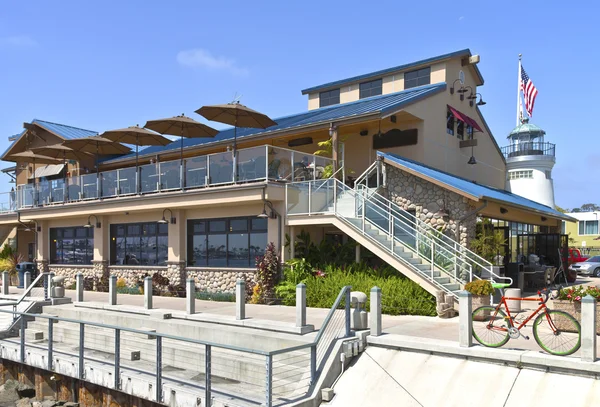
529,92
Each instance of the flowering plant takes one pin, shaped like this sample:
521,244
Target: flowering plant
572,294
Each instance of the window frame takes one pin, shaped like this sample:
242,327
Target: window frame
326,95
56,244
370,88
450,122
142,226
520,174
419,79
250,230
584,223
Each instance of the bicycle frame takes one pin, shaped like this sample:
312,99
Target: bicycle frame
542,306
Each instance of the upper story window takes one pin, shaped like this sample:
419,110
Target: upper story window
469,132
371,88
588,227
449,122
71,245
233,242
330,97
139,244
460,130
417,78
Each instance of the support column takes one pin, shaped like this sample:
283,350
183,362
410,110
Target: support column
292,242
588,329
333,132
101,239
42,246
177,253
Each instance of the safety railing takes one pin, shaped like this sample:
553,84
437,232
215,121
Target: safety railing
252,165
372,177
237,374
529,148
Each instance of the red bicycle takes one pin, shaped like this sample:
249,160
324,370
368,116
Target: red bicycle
557,332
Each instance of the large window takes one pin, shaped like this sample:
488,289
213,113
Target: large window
71,245
417,78
233,242
588,227
139,244
372,88
330,97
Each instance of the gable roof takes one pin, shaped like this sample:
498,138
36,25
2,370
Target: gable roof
469,188
385,72
61,130
382,105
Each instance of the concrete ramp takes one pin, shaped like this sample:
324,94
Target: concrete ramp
387,377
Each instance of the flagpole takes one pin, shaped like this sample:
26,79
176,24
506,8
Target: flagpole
519,102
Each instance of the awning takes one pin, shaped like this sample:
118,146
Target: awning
464,118
47,171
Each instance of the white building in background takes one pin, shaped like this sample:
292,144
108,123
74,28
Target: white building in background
529,163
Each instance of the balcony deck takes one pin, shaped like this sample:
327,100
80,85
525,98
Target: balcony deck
256,164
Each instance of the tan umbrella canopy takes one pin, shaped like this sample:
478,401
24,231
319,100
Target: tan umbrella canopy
97,145
236,115
30,156
181,126
61,151
137,136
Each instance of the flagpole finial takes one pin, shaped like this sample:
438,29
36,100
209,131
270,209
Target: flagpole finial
520,55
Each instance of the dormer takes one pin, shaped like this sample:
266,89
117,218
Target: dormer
443,68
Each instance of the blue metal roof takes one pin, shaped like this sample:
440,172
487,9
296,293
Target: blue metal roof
67,132
472,188
383,72
383,104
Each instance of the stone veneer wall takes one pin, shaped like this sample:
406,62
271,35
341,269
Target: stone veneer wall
206,280
429,202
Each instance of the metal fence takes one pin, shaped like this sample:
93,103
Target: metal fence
242,376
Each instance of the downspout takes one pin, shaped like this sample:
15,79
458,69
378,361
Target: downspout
465,217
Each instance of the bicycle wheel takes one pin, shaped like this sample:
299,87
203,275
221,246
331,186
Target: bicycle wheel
557,332
490,327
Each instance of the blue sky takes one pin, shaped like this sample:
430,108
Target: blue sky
110,64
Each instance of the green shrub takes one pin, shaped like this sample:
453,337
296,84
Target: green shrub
480,287
400,296
217,296
129,290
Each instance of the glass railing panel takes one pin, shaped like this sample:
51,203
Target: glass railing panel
297,198
126,181
404,232
280,164
321,196
44,193
74,188
252,164
149,178
220,168
196,171
57,190
320,167
7,202
24,196
378,216
89,186
108,183
170,175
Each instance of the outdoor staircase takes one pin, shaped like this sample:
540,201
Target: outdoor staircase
414,248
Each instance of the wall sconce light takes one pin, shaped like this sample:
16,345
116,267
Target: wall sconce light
332,129
472,97
503,210
89,223
472,160
393,118
452,87
271,214
544,219
462,92
172,220
364,133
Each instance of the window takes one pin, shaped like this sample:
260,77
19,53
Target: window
588,227
449,122
139,244
417,78
525,174
234,242
460,130
330,97
469,132
372,88
71,245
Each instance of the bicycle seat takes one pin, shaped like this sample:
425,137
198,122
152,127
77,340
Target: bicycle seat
500,285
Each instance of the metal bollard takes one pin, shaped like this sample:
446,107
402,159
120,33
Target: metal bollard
588,329
148,293
26,281
5,282
300,305
465,319
79,287
112,290
240,300
190,296
375,314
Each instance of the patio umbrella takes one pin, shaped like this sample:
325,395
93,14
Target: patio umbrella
61,151
181,126
30,155
96,145
137,136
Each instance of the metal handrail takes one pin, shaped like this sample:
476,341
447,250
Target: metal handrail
365,173
31,286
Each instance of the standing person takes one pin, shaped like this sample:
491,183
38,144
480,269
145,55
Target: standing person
13,204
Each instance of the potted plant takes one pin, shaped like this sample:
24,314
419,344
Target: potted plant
569,300
480,291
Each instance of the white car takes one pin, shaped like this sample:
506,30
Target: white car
589,267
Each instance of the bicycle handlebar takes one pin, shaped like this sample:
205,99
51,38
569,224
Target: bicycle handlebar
544,293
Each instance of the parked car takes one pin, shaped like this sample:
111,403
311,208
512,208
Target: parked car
589,267
575,256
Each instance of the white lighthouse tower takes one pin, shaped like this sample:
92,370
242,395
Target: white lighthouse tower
529,163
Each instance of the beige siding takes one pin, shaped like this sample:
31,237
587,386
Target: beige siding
438,73
349,93
393,83
313,101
